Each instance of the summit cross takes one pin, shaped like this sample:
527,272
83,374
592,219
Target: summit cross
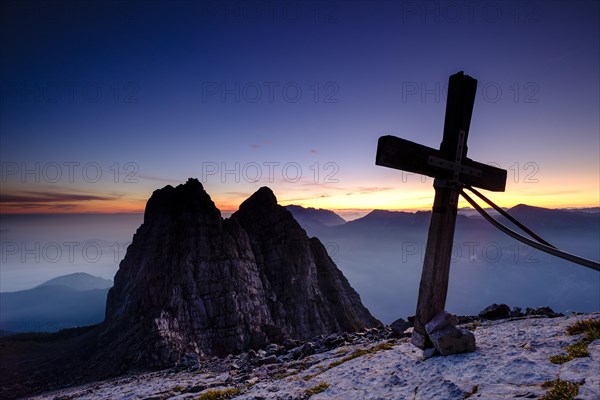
451,169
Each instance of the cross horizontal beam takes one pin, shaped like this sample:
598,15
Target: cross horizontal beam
397,153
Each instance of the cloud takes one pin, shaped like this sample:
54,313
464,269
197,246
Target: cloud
42,198
304,198
156,178
349,190
255,146
367,190
239,194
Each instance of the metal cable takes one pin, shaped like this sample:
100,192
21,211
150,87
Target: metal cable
509,217
540,246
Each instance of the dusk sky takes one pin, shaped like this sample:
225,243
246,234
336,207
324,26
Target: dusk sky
104,102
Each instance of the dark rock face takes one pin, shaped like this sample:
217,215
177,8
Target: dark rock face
192,282
495,311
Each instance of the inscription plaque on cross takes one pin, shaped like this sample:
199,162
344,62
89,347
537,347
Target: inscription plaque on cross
451,169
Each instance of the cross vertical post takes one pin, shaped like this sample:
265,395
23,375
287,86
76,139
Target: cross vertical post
433,288
451,168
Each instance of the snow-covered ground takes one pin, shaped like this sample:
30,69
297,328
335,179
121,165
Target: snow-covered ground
511,361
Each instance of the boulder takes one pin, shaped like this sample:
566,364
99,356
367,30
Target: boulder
441,320
308,349
399,326
452,340
446,337
495,311
268,360
419,340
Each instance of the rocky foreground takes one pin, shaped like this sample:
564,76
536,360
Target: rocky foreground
512,360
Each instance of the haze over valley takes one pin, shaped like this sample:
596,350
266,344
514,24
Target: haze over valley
381,254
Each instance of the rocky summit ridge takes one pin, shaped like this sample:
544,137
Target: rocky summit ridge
193,282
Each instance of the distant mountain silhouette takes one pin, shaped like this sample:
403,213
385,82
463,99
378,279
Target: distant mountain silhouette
383,253
66,301
314,218
544,218
384,218
586,210
383,221
79,281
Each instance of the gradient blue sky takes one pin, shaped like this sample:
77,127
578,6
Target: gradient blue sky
105,84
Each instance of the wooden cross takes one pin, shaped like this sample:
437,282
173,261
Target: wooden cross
451,168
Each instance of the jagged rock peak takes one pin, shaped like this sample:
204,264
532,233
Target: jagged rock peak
192,282
186,198
261,198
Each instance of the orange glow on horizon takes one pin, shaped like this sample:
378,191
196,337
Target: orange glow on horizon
354,199
343,204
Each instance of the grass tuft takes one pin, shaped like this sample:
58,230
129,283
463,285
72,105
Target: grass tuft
590,328
283,375
473,326
360,353
560,359
321,387
355,354
560,390
219,394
